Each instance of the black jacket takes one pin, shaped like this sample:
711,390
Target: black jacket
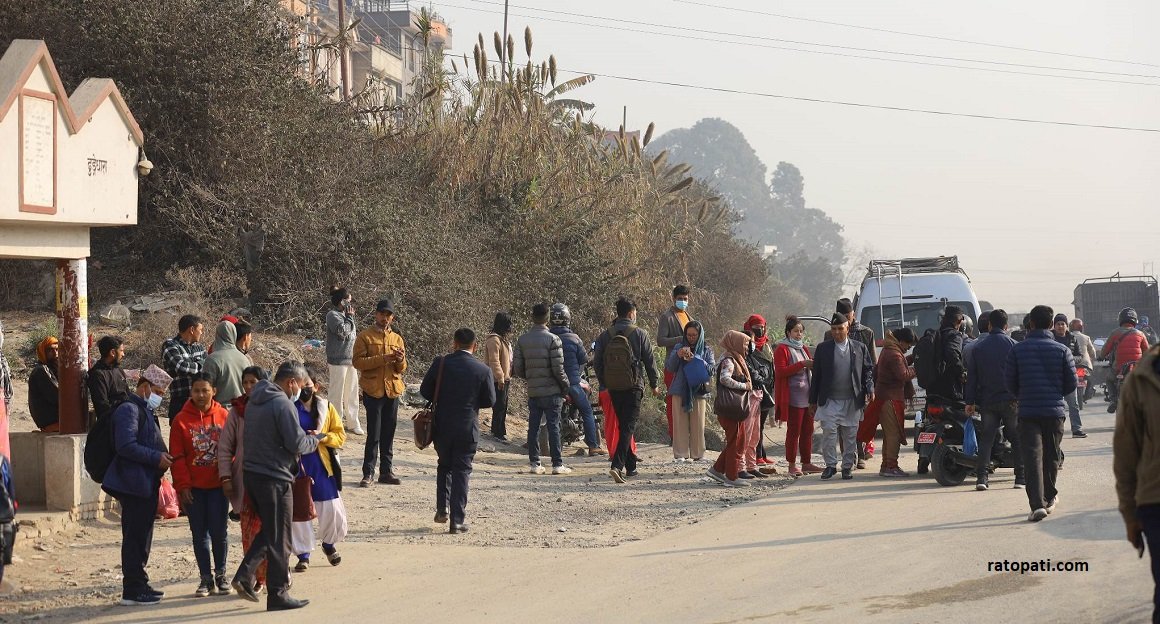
107,387
641,346
948,388
43,396
861,372
467,387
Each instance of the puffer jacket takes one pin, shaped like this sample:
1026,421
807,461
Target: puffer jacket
986,384
575,355
1125,345
1136,443
137,438
1039,372
539,359
340,335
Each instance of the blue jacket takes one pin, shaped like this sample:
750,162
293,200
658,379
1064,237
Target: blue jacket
986,361
137,438
575,355
1039,372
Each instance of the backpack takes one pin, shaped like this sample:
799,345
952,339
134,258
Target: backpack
927,361
620,362
100,449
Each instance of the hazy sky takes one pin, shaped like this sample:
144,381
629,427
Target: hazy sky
1030,209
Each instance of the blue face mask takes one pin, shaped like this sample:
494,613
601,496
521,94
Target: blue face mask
154,401
681,304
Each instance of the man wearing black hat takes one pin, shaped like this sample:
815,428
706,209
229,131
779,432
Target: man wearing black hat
860,333
842,387
1062,334
381,359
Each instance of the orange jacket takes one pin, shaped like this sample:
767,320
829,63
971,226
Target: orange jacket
193,442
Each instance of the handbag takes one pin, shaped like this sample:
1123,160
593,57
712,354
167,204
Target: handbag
696,372
730,404
424,420
303,499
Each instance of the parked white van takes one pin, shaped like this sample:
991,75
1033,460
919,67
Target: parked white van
912,292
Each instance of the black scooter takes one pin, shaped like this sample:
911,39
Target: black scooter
938,440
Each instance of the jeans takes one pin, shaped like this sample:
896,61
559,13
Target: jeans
1040,439
627,406
1149,517
499,410
208,522
138,515
273,500
1072,400
580,398
538,409
382,418
993,416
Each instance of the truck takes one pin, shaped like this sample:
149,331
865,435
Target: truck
1098,301
913,292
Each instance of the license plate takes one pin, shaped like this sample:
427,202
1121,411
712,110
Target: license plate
927,437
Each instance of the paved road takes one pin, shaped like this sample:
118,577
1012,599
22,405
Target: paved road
871,549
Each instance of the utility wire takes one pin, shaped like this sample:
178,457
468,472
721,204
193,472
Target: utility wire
821,52
911,34
823,45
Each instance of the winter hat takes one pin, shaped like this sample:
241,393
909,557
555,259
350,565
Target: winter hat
1060,318
844,306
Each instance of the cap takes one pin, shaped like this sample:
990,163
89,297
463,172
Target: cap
844,306
384,305
156,376
839,319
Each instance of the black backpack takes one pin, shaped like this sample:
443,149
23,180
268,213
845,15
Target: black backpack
928,363
621,365
100,449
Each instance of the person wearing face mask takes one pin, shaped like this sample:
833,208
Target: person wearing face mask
341,329
230,458
692,401
670,333
134,479
792,365
274,440
225,365
760,363
106,381
44,387
318,417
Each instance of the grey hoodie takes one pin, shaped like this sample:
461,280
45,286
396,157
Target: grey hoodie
226,363
340,335
272,437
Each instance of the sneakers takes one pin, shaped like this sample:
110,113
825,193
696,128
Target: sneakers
303,565
679,460
981,485
223,586
594,451
366,482
1037,515
809,468
616,474
716,476
736,483
153,592
829,473
893,472
536,469
561,469
205,588
847,474
1078,434
745,475
142,599
1051,505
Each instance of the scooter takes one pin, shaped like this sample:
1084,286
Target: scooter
1113,385
1081,374
938,439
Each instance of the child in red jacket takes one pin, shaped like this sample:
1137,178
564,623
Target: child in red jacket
193,442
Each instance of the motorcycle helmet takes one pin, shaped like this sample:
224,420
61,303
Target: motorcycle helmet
1128,315
560,315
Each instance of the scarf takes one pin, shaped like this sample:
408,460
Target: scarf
736,344
699,348
759,341
791,343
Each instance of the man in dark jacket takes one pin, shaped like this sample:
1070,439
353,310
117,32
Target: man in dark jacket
1063,336
865,335
134,478
947,390
466,386
539,359
670,332
842,387
1039,372
106,381
575,359
626,403
274,442
986,393
44,386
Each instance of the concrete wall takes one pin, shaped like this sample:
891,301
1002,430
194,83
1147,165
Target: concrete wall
49,471
28,467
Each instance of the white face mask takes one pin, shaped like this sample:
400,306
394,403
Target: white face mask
297,395
154,401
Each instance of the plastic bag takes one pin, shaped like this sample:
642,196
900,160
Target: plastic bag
970,442
167,506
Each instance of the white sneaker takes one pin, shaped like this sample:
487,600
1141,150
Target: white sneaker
616,475
1051,506
561,469
680,460
536,469
1037,515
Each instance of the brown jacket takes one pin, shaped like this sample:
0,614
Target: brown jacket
891,375
1136,443
378,377
497,354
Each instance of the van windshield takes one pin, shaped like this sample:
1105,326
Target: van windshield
919,316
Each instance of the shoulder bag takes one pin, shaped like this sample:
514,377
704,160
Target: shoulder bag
730,404
303,499
424,420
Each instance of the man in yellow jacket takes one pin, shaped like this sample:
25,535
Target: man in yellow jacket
381,358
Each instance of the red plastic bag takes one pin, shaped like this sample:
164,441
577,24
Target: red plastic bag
167,506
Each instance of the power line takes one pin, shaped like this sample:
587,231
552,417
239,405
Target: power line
820,52
911,34
823,45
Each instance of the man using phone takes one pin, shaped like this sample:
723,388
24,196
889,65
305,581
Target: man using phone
1137,461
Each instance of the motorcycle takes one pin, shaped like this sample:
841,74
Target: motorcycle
1112,386
1081,374
938,439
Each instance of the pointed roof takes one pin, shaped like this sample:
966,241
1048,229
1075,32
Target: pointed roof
25,55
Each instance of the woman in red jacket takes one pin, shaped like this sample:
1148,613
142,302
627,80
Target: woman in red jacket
792,363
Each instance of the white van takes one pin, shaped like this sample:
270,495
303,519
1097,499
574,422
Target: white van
912,292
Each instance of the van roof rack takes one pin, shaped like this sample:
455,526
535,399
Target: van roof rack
907,266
